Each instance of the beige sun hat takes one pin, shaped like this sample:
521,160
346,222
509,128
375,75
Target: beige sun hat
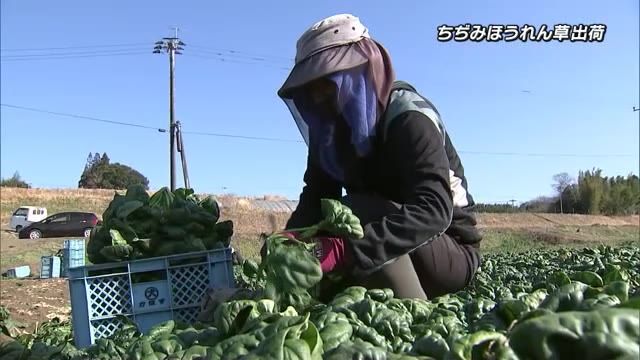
333,31
323,48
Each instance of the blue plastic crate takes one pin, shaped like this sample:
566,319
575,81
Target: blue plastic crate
73,255
74,244
147,291
49,267
19,272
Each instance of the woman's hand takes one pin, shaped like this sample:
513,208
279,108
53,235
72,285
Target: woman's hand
263,249
333,253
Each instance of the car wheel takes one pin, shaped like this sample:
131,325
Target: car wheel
87,232
18,228
35,234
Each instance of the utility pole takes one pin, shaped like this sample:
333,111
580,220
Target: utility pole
172,46
183,156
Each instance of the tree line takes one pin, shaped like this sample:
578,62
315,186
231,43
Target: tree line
98,173
15,181
593,193
590,193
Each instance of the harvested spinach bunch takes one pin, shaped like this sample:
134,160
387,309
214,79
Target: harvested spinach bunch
290,269
136,225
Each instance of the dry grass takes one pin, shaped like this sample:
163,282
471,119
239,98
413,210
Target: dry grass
238,209
55,201
534,220
250,222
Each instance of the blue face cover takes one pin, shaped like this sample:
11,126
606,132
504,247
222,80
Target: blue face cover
356,105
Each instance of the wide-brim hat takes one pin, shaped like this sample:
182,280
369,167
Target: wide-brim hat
312,61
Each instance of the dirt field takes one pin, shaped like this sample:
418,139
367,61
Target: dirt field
32,300
535,220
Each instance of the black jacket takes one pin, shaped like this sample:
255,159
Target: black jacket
411,166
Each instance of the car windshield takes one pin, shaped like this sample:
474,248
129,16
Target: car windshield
21,212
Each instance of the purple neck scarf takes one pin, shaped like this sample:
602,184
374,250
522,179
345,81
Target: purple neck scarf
357,103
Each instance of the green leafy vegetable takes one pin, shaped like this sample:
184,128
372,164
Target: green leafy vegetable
137,226
338,220
543,304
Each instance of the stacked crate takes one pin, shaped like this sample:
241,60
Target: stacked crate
73,255
19,272
49,267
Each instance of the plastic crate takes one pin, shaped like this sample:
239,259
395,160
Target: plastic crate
101,293
19,272
73,255
49,267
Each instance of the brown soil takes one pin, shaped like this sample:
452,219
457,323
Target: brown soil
535,220
33,301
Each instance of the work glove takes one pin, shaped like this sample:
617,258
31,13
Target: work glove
333,253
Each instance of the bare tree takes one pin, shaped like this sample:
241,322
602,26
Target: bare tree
561,181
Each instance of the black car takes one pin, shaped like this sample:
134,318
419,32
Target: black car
73,223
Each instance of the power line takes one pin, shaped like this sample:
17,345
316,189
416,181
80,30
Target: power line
241,53
109,53
203,133
69,56
91,52
75,47
240,57
542,154
144,126
236,61
204,50
83,117
248,59
241,136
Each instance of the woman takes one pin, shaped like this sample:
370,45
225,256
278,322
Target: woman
386,146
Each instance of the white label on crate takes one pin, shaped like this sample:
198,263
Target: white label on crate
151,296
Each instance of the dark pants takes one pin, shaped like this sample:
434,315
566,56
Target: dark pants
440,267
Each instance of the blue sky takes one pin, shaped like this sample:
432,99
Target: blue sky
580,100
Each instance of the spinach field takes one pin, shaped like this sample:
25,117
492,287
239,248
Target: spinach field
543,304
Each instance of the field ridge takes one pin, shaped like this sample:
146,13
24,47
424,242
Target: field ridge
96,200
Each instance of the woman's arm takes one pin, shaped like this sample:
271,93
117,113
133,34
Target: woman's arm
318,185
417,153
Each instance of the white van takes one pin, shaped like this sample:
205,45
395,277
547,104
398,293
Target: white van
25,215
